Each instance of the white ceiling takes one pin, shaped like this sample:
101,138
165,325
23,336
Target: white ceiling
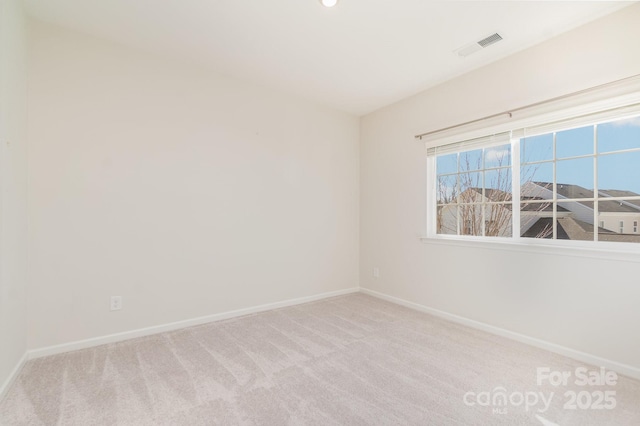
358,56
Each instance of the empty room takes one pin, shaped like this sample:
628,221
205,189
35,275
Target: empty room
319,212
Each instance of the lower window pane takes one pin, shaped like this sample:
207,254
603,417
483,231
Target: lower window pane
536,220
447,219
618,220
575,221
498,220
470,219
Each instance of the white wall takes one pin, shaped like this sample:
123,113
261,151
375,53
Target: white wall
585,304
13,187
185,192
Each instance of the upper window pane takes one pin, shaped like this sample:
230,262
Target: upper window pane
497,184
536,181
575,178
447,189
447,164
536,148
619,135
471,187
497,156
471,160
619,174
574,142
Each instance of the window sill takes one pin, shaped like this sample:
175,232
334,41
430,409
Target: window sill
558,248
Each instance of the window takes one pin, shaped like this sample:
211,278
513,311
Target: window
553,182
474,190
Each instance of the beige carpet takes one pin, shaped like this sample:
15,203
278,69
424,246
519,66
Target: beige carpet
350,360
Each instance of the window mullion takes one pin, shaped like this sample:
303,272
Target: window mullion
432,208
596,206
555,190
515,189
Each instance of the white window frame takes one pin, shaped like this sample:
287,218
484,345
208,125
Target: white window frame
625,105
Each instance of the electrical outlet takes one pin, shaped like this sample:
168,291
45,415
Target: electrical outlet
376,272
116,303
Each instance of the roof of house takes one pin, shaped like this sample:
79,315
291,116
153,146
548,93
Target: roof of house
573,229
571,191
568,192
545,206
543,229
617,193
620,193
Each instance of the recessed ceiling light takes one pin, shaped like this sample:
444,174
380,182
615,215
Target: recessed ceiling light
329,3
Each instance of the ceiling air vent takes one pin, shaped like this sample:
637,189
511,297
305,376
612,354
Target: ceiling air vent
487,41
478,45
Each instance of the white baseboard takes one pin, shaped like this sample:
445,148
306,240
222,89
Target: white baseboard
117,337
624,369
12,376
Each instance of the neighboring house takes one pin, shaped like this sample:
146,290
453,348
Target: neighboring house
614,216
618,220
619,216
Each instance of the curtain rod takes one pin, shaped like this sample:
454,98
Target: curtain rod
533,105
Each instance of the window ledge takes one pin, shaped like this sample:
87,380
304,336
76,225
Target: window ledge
630,254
